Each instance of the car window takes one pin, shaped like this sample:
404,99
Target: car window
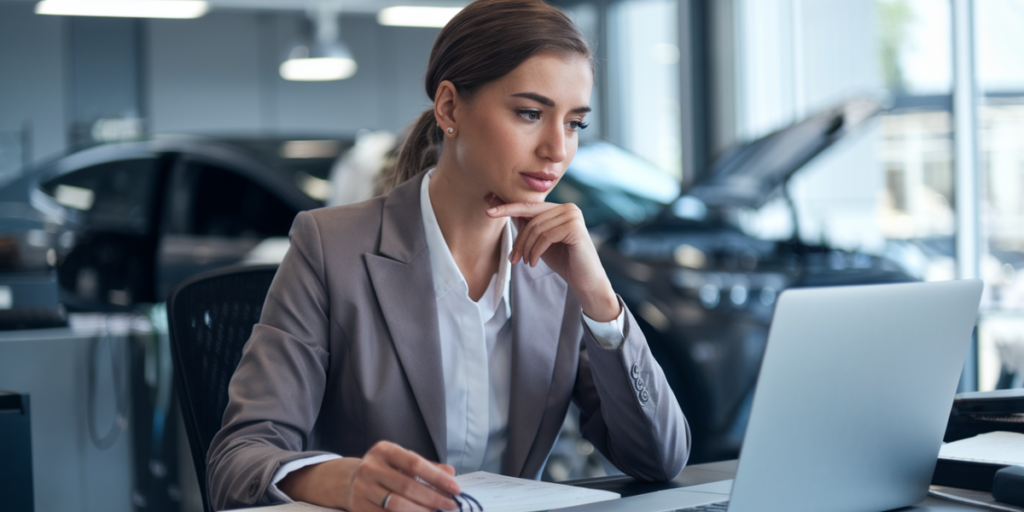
611,185
114,196
229,204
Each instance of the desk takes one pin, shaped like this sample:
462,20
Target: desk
716,472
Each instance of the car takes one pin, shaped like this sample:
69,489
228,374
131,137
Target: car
701,289
115,225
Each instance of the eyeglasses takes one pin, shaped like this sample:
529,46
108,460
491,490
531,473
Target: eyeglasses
471,504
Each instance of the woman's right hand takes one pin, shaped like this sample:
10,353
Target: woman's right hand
359,485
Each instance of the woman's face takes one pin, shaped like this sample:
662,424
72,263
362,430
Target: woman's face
517,135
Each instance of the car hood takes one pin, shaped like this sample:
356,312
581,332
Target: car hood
749,175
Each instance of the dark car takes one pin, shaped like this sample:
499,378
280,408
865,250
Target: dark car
702,290
119,224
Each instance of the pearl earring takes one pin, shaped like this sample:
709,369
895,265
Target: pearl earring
451,130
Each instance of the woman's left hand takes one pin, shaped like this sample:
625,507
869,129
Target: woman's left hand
557,233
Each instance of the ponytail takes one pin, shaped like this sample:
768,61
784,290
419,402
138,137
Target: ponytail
419,152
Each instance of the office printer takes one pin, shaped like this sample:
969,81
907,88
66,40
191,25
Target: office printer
973,414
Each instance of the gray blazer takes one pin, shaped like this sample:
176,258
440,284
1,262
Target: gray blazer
347,353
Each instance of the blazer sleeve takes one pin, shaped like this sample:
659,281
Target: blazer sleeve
276,391
627,409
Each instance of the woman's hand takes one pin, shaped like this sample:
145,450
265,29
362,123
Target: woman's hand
358,485
557,233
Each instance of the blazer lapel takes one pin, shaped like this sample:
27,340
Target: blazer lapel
402,280
538,303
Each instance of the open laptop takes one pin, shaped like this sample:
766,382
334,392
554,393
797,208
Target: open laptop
851,404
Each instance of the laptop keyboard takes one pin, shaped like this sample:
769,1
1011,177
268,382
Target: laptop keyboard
721,506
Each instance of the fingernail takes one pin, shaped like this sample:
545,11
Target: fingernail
492,211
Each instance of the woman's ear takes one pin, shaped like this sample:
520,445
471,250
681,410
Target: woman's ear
445,101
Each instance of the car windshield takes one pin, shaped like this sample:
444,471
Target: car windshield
612,185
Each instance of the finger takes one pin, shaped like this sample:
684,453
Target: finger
447,469
415,466
528,210
399,503
540,227
406,486
552,236
528,232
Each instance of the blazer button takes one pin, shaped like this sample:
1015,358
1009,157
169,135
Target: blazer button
636,370
254,487
644,397
639,383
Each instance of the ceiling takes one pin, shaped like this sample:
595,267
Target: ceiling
345,6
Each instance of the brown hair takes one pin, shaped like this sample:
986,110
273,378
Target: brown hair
484,42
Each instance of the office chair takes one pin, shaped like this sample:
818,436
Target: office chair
211,317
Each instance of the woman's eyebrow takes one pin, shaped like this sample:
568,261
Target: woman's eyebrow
544,100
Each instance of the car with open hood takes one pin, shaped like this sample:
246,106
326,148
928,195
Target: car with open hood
703,290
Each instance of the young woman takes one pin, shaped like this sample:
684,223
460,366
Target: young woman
453,319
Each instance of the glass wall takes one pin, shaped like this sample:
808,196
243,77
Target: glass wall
890,190
999,29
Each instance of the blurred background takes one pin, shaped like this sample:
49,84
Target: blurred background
737,148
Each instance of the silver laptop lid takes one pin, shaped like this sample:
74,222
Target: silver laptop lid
853,397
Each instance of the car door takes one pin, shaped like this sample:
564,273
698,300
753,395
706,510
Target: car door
215,214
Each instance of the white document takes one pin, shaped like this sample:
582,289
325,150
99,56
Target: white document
497,493
994,448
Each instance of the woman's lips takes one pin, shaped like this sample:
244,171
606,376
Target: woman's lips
539,182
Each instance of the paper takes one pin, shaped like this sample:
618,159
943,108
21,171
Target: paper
498,493
1006,448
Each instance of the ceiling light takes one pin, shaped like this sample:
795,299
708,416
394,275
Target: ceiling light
409,16
326,59
125,8
326,63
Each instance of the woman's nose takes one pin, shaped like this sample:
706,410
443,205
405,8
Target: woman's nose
552,145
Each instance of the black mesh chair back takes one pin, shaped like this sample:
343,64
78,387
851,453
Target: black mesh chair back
211,317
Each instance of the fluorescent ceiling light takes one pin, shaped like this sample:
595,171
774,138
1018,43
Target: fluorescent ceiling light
318,69
125,8
408,16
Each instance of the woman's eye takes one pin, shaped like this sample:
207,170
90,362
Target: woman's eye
530,115
578,125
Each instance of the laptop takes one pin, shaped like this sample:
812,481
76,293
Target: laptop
851,404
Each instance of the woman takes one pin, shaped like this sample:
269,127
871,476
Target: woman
453,319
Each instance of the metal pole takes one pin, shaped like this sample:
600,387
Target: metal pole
968,254
693,91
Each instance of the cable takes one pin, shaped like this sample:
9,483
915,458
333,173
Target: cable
119,424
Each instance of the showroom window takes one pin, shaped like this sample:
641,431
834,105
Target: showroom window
999,29
643,70
891,190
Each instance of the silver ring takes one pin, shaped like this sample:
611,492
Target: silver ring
387,499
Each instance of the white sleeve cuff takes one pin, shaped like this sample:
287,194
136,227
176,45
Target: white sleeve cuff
608,334
293,466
